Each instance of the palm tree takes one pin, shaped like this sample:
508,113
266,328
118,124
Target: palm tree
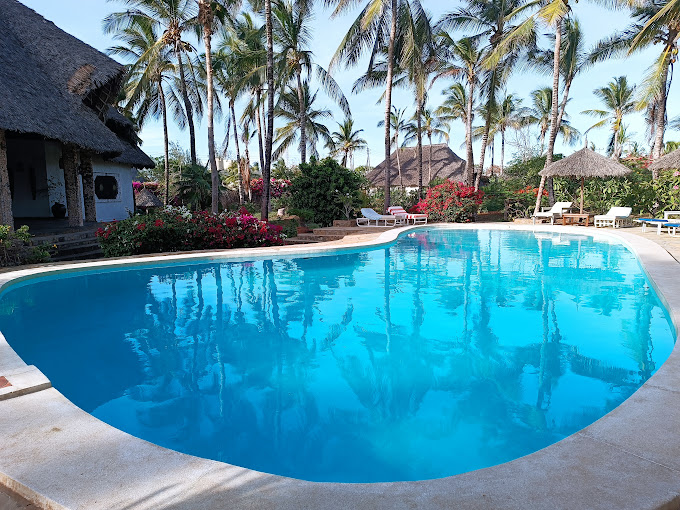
539,114
618,101
464,58
174,18
491,20
151,67
398,125
292,33
346,141
374,30
510,115
433,126
655,23
288,109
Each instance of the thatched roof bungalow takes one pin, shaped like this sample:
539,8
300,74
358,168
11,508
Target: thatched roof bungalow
56,123
439,162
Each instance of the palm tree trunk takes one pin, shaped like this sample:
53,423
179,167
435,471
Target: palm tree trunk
419,123
6,216
661,116
238,153
166,142
246,170
396,142
485,143
470,163
502,150
388,103
554,112
266,171
187,105
207,41
302,121
70,158
429,160
259,128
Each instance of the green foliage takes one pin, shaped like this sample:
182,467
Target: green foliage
398,196
322,187
289,226
15,248
526,172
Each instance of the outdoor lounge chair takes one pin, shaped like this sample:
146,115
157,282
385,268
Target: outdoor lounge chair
554,212
399,212
617,217
373,219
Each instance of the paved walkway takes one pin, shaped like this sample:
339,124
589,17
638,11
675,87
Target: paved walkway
11,501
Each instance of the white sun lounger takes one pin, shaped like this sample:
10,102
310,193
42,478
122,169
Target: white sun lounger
399,212
617,217
551,214
373,219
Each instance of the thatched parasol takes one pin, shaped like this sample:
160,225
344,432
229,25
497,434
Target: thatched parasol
585,163
147,200
668,162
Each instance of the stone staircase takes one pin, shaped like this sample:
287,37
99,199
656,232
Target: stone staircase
320,235
80,245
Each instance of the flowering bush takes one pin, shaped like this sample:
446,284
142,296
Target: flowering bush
451,201
277,188
16,248
139,186
178,229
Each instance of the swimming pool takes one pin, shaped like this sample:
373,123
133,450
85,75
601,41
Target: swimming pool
445,352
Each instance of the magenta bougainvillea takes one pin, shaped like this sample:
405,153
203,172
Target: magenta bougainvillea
278,187
178,229
450,201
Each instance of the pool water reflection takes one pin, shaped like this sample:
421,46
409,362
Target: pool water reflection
446,352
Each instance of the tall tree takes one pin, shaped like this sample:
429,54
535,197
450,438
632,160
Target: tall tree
432,126
399,124
174,18
510,115
374,30
346,140
618,100
655,23
538,114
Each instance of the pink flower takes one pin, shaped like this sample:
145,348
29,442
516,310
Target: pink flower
676,174
676,187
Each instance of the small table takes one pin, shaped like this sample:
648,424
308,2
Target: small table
577,219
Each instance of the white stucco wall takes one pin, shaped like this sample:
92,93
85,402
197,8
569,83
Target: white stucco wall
55,175
123,205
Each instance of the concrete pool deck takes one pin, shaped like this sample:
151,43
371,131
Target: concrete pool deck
57,456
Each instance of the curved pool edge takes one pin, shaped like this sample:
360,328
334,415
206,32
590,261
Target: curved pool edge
58,456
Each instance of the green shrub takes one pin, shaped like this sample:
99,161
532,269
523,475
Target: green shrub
288,226
178,229
324,187
16,249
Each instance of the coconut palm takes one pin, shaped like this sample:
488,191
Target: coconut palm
292,32
346,141
288,109
144,92
655,23
464,59
539,114
454,106
375,31
510,115
432,126
174,18
618,100
492,21
398,125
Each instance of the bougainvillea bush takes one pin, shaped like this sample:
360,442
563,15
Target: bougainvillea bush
451,202
277,189
178,229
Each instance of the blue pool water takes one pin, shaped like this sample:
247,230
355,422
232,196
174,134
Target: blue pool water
445,352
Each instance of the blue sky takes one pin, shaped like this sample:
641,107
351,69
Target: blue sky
597,22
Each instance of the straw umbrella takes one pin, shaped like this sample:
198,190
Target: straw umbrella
146,200
585,163
670,161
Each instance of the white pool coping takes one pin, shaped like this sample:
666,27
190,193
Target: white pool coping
57,456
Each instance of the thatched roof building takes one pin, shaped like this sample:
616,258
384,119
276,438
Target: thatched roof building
147,200
59,134
670,161
445,164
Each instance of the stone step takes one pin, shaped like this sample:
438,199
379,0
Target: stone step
297,240
64,238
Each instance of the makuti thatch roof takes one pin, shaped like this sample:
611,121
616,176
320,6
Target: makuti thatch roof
132,155
146,200
445,165
585,163
52,84
670,161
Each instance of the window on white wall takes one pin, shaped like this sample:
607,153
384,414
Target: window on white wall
106,187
